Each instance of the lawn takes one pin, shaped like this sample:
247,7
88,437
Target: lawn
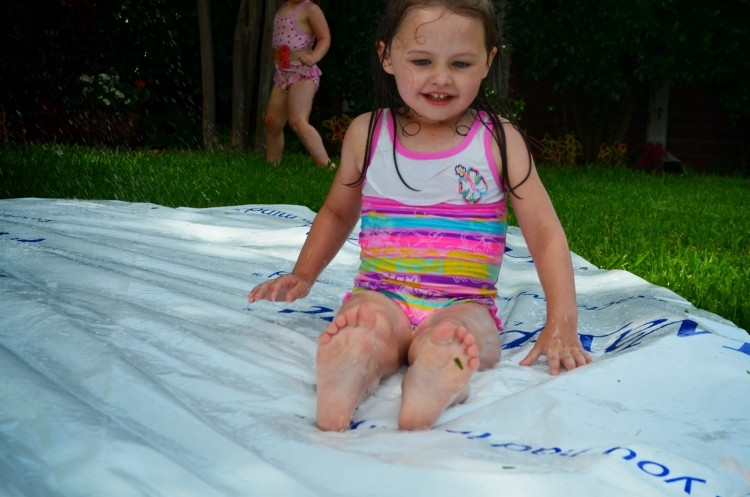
687,233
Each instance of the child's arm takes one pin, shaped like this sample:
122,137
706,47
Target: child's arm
331,226
319,26
548,246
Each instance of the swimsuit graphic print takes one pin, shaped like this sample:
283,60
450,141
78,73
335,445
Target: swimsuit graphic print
471,185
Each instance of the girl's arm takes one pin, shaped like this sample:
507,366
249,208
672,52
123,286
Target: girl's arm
331,226
548,246
319,26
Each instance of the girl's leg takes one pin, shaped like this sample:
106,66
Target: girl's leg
301,96
448,348
275,119
367,341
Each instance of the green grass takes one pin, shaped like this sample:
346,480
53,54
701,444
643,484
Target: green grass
689,233
170,178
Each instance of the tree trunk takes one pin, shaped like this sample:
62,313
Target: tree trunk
252,70
210,133
240,86
658,112
598,121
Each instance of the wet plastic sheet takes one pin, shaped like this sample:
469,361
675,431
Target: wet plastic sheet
132,365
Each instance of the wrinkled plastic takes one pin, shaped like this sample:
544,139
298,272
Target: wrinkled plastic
132,365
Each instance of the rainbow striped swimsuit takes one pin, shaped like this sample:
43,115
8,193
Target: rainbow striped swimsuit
442,243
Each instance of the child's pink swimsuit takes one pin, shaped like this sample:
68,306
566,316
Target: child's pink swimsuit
442,242
288,38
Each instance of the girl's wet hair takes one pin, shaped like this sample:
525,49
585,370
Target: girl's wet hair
386,91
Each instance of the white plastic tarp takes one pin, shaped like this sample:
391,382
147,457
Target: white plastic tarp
132,365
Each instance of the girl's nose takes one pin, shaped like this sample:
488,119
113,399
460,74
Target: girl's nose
441,76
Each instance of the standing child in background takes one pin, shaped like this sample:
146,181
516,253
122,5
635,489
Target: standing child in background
301,38
428,173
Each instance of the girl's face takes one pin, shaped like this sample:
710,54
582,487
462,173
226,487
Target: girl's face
438,59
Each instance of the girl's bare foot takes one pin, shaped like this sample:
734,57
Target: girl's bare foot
439,376
346,366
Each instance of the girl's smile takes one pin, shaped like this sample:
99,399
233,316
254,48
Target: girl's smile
438,99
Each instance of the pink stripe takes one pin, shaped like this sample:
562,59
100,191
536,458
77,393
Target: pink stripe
414,244
491,156
478,210
433,155
375,138
376,134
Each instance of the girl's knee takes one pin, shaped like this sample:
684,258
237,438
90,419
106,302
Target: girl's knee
489,354
298,124
383,307
272,123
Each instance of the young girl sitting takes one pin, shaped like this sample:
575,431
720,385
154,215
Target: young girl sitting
428,173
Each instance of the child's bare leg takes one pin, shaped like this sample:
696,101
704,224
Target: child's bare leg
301,96
366,341
450,347
275,119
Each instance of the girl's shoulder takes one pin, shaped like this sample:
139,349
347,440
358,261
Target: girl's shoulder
357,134
288,8
283,10
360,125
490,117
310,9
510,129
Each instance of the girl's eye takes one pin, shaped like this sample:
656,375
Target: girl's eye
421,62
461,65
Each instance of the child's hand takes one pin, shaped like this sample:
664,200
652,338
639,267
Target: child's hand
285,288
307,59
561,348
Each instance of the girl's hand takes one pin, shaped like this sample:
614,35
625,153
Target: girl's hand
286,288
561,348
307,59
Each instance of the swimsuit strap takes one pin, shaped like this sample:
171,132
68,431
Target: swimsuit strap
298,8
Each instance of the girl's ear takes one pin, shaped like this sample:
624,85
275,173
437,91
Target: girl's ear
384,57
490,59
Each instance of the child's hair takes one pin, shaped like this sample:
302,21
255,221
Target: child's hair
386,91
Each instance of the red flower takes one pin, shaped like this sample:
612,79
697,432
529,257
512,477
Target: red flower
653,156
282,56
139,83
